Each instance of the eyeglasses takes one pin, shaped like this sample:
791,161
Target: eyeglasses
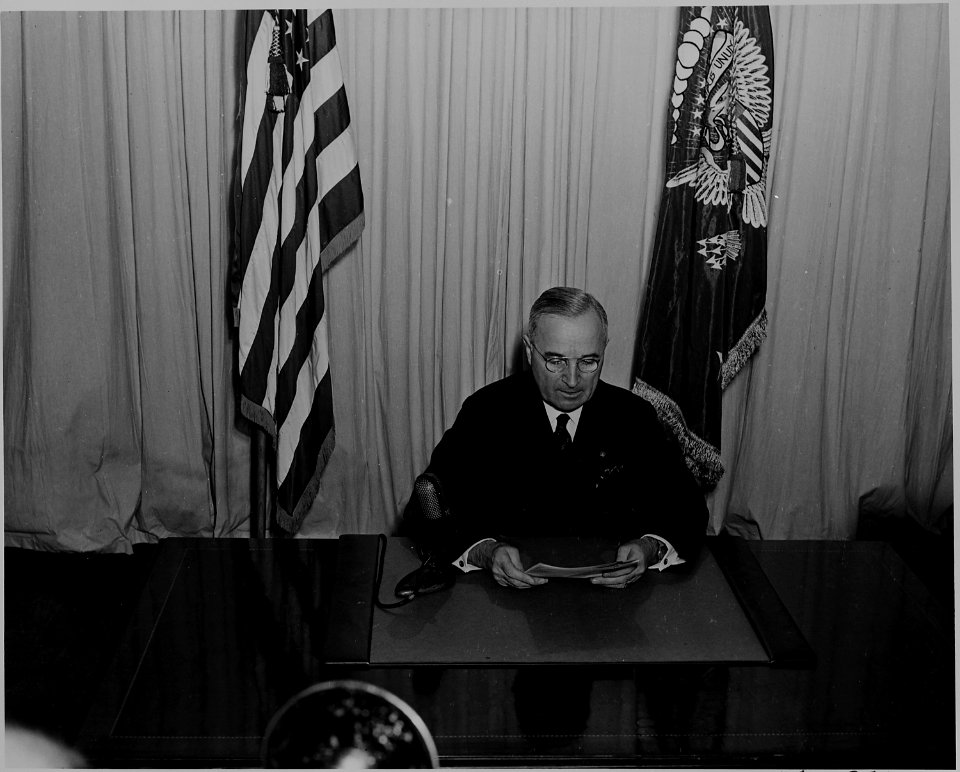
558,364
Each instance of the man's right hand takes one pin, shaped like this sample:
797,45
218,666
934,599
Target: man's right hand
503,561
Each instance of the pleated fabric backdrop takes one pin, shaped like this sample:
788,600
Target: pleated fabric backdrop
501,151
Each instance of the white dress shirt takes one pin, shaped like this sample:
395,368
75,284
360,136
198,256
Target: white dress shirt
671,558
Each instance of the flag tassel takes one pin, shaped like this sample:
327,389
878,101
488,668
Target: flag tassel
278,87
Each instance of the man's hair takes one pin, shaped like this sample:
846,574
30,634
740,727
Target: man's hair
566,301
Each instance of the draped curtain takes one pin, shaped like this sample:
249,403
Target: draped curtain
501,151
118,417
846,408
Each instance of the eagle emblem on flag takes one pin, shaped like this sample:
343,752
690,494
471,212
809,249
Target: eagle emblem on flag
725,110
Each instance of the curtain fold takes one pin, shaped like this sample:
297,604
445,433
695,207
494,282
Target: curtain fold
501,150
504,151
928,477
828,423
118,408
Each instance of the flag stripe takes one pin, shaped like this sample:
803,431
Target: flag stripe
299,207
253,112
317,13
303,332
259,366
300,332
300,183
292,265
333,117
322,37
326,76
310,237
257,137
313,369
257,287
315,84
337,204
752,153
336,161
317,178
313,435
336,213
749,140
751,146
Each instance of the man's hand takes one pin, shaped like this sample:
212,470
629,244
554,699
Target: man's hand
503,561
644,550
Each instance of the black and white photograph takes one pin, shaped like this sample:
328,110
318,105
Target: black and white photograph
481,386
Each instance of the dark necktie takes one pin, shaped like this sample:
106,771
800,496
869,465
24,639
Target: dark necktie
561,435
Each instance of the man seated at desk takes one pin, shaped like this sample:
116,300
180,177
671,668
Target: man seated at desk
555,451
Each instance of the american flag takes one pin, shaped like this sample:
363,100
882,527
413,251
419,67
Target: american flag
299,207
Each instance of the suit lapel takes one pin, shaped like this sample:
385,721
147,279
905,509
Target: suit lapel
535,415
586,443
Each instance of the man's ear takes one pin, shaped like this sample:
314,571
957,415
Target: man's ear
527,348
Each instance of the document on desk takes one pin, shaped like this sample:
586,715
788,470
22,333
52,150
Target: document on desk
546,571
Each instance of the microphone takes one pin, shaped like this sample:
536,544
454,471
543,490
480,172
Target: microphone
427,489
433,575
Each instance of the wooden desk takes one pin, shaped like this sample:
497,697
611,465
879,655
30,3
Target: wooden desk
228,630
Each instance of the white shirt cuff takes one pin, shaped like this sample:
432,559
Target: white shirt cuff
465,565
669,559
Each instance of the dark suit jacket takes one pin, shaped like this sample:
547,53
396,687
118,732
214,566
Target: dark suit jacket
502,475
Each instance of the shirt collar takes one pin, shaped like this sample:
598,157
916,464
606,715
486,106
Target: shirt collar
552,414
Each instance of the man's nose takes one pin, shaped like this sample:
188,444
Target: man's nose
571,375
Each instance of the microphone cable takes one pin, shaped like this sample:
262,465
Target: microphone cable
381,555
442,580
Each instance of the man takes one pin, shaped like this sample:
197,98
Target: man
557,452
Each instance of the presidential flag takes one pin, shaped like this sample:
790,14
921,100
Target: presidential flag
703,314
299,206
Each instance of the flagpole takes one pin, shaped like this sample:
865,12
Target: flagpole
258,473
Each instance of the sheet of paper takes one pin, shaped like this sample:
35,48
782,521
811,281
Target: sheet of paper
577,572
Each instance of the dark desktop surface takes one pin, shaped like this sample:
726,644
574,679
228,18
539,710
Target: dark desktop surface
64,617
226,631
686,615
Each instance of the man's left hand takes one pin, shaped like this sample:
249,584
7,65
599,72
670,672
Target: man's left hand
644,550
